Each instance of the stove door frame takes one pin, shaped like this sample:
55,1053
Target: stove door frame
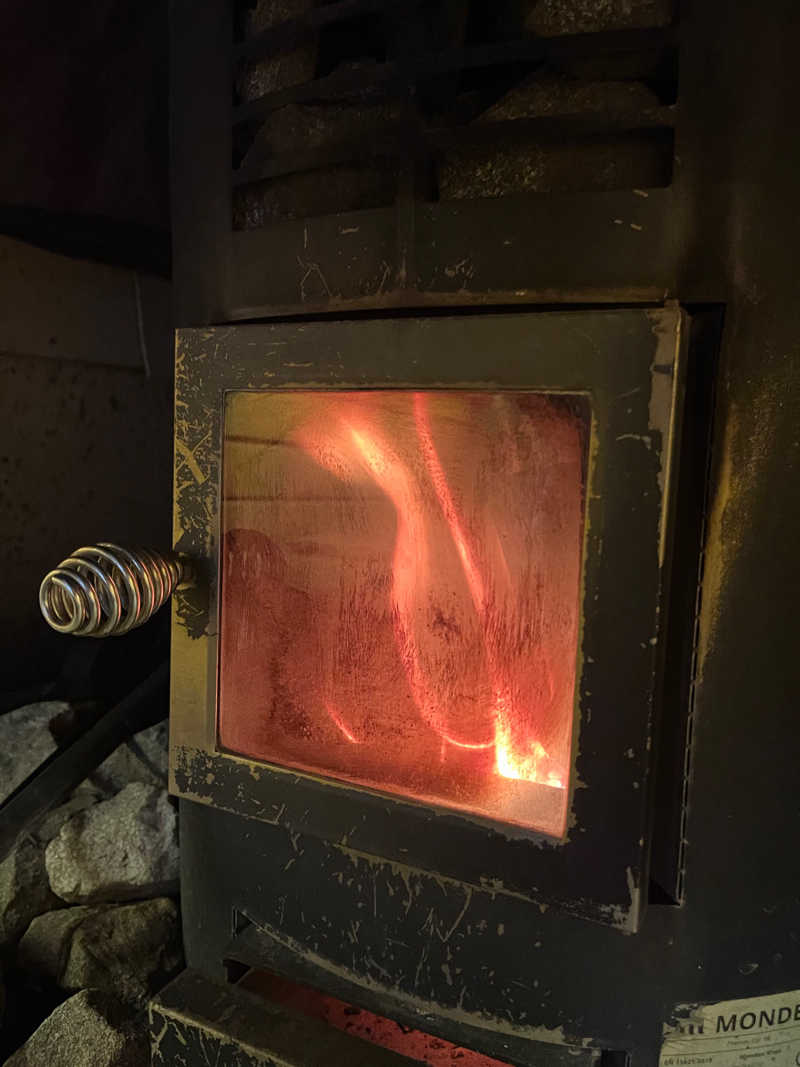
630,363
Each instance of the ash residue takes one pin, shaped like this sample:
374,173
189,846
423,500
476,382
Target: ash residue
552,18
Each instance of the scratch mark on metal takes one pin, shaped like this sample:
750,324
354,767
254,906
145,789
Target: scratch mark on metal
311,269
189,458
422,961
645,438
629,392
275,821
387,270
460,916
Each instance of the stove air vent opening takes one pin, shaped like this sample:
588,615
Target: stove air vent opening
360,104
417,1045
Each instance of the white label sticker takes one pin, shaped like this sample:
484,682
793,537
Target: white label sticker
758,1032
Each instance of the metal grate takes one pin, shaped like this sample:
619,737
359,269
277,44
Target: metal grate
358,104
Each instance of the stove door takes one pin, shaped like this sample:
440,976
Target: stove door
434,553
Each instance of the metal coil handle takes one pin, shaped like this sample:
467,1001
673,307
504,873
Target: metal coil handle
104,590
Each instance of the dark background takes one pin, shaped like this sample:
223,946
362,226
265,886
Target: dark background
83,117
85,348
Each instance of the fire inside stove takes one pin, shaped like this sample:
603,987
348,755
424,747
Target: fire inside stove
400,592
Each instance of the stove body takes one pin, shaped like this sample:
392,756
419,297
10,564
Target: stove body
575,906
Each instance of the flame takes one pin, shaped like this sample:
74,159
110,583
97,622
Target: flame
340,723
446,503
409,568
509,763
410,564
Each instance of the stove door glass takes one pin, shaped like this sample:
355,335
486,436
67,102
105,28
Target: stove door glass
400,592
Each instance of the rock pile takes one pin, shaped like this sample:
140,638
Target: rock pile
88,913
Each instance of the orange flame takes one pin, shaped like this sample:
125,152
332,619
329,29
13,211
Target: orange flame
508,762
446,503
409,574
408,569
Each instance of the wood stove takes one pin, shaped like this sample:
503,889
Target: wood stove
479,697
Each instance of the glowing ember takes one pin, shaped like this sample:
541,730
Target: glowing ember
405,567
417,1045
512,764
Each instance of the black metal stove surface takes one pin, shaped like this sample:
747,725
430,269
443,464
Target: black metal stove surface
532,984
